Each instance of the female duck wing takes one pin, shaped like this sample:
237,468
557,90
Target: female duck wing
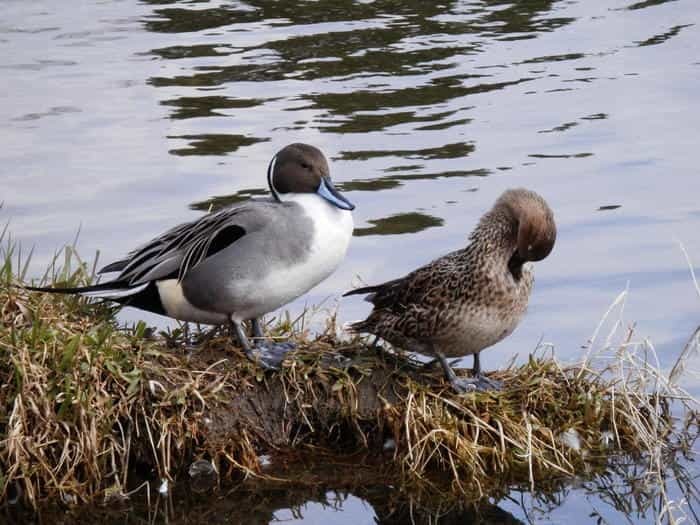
396,295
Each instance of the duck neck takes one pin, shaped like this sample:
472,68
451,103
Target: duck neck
497,232
312,200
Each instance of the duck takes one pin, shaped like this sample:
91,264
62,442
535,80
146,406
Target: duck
239,263
470,299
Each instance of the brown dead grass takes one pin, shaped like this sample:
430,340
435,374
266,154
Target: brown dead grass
84,404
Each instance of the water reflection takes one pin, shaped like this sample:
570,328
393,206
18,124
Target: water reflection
647,3
207,106
213,143
51,112
661,38
399,224
447,151
415,39
351,490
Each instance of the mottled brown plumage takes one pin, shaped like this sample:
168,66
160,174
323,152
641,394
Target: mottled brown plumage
469,299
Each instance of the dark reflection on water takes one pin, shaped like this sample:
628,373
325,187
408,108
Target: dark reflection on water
399,224
365,123
352,490
198,107
582,155
447,151
647,3
394,181
661,38
377,49
213,144
553,58
51,112
437,91
370,185
482,172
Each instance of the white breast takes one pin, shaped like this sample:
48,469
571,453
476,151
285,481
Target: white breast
487,324
333,229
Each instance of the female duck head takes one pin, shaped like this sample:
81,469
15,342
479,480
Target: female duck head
301,168
534,220
533,228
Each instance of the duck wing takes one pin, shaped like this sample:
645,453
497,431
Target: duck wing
421,287
182,248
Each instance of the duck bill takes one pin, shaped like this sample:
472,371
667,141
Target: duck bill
332,195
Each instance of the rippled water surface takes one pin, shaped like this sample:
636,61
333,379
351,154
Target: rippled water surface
123,118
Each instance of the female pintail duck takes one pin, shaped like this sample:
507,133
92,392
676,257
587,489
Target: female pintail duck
243,261
469,299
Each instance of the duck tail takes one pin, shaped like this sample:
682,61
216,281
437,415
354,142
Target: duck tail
116,266
364,290
113,290
357,327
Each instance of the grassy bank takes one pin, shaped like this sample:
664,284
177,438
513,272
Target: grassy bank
89,410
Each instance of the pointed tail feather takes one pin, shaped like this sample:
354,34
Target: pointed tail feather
116,266
356,327
111,290
363,290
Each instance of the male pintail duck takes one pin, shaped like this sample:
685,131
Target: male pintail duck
469,299
241,262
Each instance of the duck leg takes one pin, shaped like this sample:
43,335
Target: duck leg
485,382
463,385
269,346
428,365
257,328
267,355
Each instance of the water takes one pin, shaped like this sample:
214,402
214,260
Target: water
123,118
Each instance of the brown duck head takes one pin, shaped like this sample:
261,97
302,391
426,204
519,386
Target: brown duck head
532,222
302,168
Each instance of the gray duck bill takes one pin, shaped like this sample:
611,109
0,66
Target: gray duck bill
332,195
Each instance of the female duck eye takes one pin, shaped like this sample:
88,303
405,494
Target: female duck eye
306,165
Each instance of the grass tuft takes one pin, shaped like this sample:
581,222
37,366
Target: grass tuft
90,410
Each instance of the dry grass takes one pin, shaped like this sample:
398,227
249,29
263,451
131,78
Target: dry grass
85,404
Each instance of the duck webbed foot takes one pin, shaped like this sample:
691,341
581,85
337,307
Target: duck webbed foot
463,385
480,383
269,355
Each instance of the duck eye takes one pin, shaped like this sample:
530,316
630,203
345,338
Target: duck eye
305,165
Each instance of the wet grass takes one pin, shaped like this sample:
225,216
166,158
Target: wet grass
90,410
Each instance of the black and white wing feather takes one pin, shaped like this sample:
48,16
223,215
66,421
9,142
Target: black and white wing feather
181,248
